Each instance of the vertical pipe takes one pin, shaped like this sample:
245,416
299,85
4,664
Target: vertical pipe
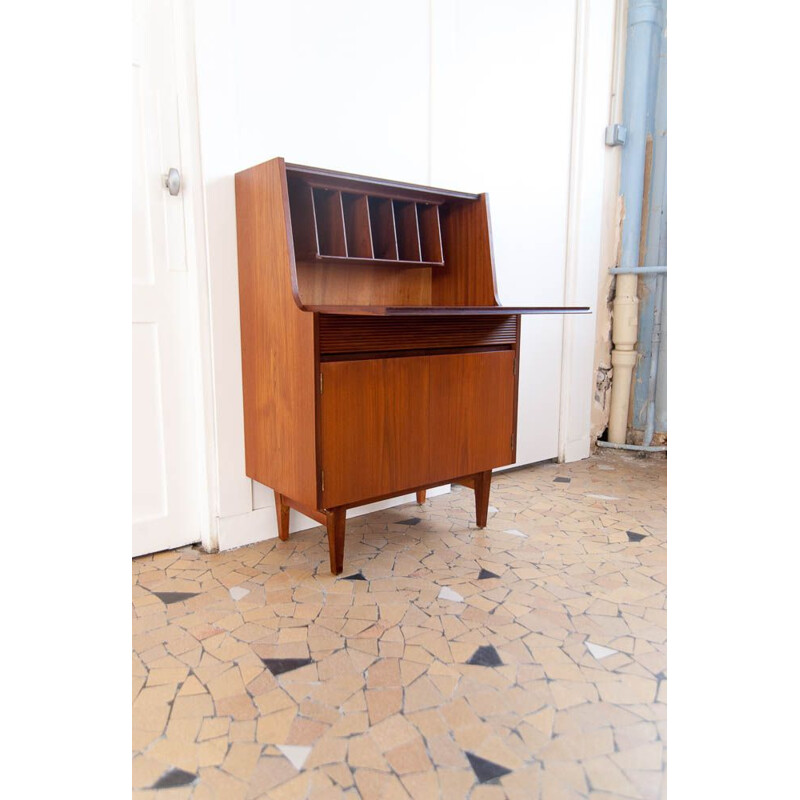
658,325
653,236
645,21
655,346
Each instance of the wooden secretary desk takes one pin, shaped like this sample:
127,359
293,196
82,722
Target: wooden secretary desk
376,359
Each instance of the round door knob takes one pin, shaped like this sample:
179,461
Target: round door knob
172,181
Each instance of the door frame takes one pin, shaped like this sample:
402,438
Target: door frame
200,341
591,209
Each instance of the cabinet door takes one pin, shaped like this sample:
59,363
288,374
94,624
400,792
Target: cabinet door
471,413
393,424
374,416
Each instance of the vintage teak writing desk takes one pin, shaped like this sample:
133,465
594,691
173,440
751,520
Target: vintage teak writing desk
376,359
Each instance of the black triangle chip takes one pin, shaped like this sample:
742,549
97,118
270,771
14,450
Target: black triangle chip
278,666
174,597
486,657
485,770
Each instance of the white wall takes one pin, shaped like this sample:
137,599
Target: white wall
465,94
502,83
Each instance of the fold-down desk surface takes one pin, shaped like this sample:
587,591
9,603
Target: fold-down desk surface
445,311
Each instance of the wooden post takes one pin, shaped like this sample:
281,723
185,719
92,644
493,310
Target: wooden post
336,525
421,495
282,512
483,481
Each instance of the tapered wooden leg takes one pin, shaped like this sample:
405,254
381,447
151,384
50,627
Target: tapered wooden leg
421,495
336,525
282,511
483,481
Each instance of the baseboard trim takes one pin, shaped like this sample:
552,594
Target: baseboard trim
577,450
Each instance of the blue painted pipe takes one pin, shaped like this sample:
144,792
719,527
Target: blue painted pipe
645,22
637,447
643,47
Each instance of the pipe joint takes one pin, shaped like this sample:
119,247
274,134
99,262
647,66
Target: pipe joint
645,11
625,322
623,359
623,362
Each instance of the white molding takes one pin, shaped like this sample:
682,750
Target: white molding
593,95
197,262
261,524
217,56
573,220
244,529
577,450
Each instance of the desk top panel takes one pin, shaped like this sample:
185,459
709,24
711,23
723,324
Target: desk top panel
353,182
445,311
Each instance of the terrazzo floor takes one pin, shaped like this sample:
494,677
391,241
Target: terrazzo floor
525,660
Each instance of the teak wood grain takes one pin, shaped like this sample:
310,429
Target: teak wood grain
430,232
354,334
278,371
377,186
354,284
357,226
376,359
384,230
375,427
405,217
471,419
329,221
467,277
442,311
393,424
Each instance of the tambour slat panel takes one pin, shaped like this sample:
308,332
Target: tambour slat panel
357,334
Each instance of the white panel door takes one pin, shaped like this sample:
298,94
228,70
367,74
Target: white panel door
166,475
501,78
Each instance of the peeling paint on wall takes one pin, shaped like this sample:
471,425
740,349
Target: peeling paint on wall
613,216
602,386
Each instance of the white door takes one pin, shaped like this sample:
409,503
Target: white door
166,473
501,77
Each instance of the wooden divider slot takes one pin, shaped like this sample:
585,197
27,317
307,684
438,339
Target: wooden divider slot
384,236
405,218
430,233
329,221
332,224
304,230
356,225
